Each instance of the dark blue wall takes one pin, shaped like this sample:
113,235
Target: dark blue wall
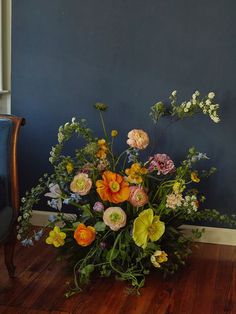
67,55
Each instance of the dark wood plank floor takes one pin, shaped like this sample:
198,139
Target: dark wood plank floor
207,285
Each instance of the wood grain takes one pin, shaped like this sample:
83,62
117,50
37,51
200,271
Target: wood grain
207,285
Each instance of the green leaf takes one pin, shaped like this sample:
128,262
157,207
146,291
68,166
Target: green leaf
86,211
100,226
112,254
86,272
75,224
152,246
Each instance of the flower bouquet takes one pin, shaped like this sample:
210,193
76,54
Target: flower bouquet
118,214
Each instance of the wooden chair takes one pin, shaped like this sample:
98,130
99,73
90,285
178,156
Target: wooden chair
9,188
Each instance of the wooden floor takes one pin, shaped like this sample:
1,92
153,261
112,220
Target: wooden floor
206,286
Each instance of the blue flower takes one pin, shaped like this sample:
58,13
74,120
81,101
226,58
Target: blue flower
132,155
66,201
38,235
27,242
53,203
52,218
75,197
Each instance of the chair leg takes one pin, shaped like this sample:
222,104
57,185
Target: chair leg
9,247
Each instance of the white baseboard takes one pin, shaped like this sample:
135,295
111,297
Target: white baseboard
211,235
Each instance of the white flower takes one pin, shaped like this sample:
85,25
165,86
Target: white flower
174,93
194,96
201,104
208,102
215,119
26,215
55,193
212,107
197,93
211,95
188,105
185,109
204,110
60,137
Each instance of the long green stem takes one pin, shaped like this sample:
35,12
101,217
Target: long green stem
103,126
119,157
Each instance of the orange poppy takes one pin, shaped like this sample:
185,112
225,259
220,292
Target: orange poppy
113,187
83,235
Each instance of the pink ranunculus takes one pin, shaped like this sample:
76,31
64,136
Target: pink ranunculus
138,139
137,196
81,184
162,163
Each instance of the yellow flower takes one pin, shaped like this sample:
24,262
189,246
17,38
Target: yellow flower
159,257
179,186
135,173
194,177
56,237
114,133
147,227
176,187
102,150
69,167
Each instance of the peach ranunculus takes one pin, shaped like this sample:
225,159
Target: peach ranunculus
83,235
114,217
138,139
113,187
81,184
137,196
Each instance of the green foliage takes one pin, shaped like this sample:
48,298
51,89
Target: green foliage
173,195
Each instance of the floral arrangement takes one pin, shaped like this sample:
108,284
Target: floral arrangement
118,214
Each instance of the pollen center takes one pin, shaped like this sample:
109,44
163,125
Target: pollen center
114,186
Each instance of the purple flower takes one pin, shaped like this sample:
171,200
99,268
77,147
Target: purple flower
103,245
98,207
162,163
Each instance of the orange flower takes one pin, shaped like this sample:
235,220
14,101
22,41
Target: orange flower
113,187
102,151
83,235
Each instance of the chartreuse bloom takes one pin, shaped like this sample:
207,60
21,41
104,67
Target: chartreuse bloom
56,237
69,167
147,227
